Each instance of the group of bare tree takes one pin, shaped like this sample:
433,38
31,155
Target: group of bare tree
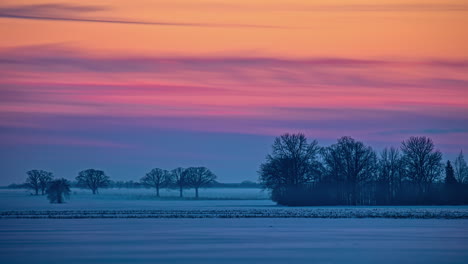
38,180
56,190
44,181
192,177
351,173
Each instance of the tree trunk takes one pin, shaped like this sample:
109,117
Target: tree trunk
94,191
59,197
37,191
196,192
181,194
157,191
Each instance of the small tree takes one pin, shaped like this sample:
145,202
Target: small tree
449,174
38,180
198,177
179,177
92,179
157,178
57,190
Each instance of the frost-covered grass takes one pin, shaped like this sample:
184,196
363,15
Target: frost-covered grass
255,240
396,213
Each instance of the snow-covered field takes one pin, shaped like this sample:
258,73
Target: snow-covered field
231,203
224,226
255,240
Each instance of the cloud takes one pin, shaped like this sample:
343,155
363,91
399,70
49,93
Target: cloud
73,13
231,74
61,89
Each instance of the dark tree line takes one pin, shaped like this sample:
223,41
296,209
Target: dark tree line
351,173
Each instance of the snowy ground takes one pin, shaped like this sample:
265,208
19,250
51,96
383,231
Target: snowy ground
226,226
255,240
231,203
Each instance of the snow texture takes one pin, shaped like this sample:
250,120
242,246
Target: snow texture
252,240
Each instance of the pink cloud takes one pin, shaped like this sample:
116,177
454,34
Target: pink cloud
264,96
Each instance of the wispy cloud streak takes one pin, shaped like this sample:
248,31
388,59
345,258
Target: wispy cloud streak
73,13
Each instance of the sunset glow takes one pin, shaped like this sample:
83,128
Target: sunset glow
125,84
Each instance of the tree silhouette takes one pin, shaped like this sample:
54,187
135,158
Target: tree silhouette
292,162
390,173
449,174
461,169
44,180
156,178
350,173
57,190
38,180
349,163
198,177
92,179
179,177
422,163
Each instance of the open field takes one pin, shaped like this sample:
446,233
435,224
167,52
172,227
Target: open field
132,226
232,203
233,241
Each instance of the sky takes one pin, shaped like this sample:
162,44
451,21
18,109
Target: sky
126,86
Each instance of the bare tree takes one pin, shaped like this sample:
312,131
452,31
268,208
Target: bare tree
423,164
156,178
57,190
38,180
293,162
44,180
198,177
179,177
350,163
390,172
93,179
461,169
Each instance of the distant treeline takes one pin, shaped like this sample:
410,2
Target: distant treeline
135,185
180,178
351,173
214,184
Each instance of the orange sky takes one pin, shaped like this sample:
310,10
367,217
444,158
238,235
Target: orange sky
405,29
